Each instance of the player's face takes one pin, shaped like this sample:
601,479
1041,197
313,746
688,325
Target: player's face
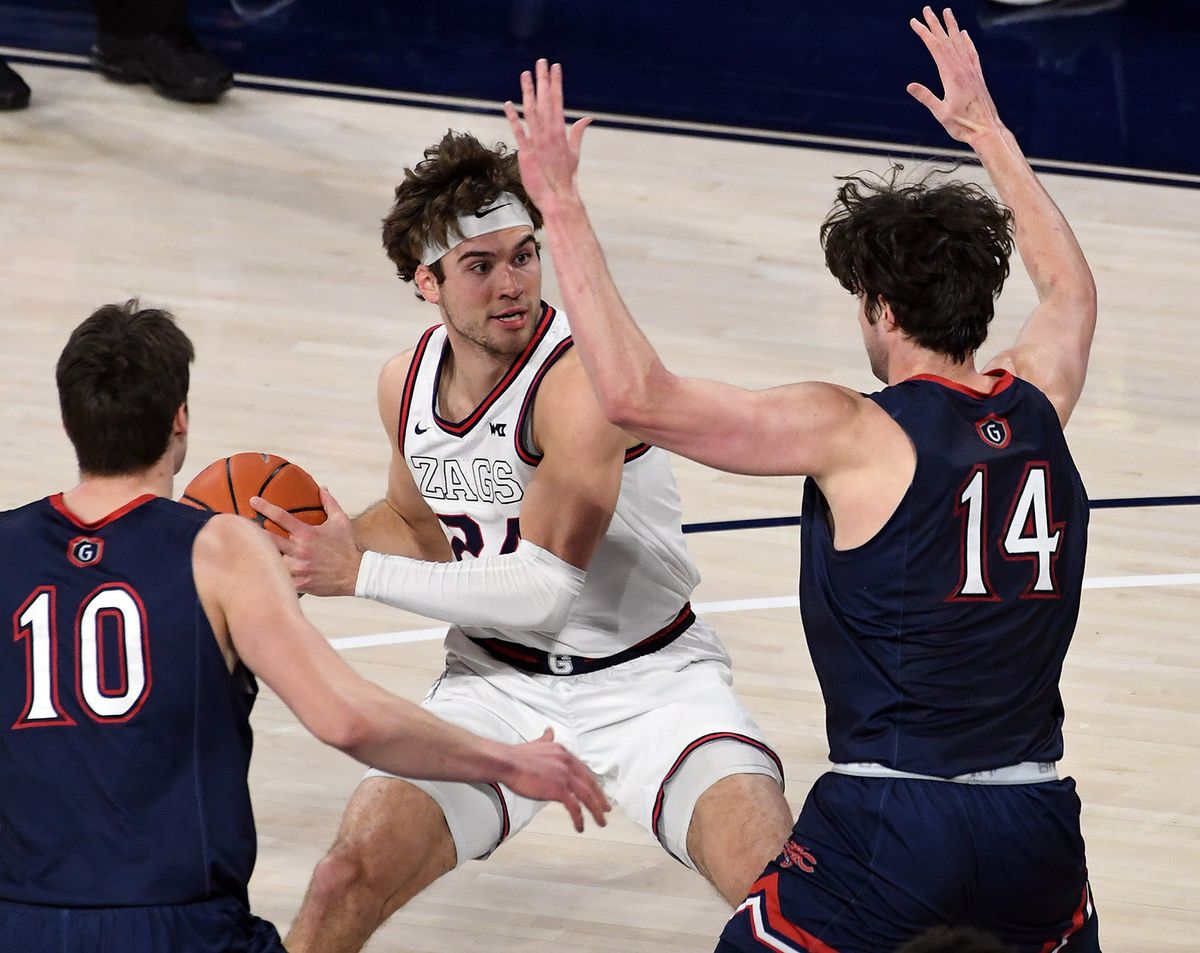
873,340
492,292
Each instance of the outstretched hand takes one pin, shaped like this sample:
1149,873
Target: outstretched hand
547,151
546,771
966,109
324,559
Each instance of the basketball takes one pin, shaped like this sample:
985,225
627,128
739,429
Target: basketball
226,485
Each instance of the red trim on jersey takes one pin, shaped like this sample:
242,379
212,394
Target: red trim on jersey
768,887
101,644
1078,919
527,405
1052,527
57,502
74,543
671,628
145,693
993,418
1003,381
464,426
962,512
656,816
61,717
511,651
538,662
410,382
505,822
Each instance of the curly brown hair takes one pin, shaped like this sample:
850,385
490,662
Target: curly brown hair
457,176
938,254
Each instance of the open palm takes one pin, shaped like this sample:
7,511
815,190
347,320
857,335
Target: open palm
966,109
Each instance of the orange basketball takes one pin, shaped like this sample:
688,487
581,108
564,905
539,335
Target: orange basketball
225,486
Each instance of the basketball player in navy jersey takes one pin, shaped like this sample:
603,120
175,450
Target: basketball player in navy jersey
137,627
943,535
557,553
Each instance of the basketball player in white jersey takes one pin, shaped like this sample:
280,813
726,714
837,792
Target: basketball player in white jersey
551,540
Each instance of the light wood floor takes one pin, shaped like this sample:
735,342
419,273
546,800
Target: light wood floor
257,222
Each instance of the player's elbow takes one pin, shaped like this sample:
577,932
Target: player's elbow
548,588
347,728
634,405
549,611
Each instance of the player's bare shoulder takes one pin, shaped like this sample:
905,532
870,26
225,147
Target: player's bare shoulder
226,541
394,371
390,389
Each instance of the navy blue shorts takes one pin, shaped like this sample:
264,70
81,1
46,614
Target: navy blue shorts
873,862
210,926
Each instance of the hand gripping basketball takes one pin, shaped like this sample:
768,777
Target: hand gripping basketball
226,485
323,560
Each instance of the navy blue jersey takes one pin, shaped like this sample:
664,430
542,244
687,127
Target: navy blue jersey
124,738
939,643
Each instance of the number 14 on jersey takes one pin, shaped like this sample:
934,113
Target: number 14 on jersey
1029,533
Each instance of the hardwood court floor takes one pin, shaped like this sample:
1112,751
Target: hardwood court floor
258,223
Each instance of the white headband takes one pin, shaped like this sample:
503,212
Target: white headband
504,211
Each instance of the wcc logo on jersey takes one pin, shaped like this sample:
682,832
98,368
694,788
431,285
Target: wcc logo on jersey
994,431
85,551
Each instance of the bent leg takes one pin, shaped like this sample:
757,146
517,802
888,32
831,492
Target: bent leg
739,825
688,761
393,842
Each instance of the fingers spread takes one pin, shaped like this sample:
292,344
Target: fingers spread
951,23
592,795
972,53
935,25
514,122
276,514
577,130
573,808
922,95
332,507
528,101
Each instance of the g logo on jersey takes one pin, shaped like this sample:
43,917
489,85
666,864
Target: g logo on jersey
85,551
561,664
994,431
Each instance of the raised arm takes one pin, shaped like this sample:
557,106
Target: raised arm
809,428
248,599
1053,347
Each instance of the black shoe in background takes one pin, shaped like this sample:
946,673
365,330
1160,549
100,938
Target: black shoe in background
176,65
14,93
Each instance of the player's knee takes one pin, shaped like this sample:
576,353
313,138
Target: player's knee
713,793
357,867
346,869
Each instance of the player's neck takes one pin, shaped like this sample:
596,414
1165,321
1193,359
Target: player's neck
468,376
918,361
95,497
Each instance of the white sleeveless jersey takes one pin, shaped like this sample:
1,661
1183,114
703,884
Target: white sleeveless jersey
474,474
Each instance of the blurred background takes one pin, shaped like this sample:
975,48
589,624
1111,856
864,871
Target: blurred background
1105,82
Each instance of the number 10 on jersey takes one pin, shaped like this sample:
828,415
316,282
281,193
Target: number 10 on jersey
36,623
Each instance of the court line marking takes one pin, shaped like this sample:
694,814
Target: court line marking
768,522
750,605
370,94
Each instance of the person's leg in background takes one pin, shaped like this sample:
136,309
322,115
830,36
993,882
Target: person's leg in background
14,93
151,41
